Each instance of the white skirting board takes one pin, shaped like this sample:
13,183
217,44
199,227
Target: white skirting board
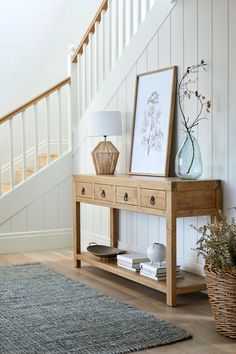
35,240
45,240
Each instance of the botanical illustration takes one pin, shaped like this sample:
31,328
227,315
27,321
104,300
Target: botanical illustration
151,134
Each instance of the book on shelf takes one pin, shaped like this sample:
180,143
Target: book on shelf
128,268
159,274
132,258
179,275
155,269
128,265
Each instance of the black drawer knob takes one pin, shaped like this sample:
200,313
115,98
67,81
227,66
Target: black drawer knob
103,194
126,197
152,200
83,191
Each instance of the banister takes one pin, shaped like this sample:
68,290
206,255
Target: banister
34,100
91,29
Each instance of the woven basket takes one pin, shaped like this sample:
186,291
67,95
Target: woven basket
222,294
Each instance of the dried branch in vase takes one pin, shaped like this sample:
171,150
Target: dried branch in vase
186,91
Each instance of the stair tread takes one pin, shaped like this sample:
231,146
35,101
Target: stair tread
29,171
5,187
51,155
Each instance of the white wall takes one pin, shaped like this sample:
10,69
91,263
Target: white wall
194,29
34,41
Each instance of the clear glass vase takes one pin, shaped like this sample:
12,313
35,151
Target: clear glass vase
188,161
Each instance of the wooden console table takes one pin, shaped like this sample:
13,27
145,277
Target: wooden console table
167,197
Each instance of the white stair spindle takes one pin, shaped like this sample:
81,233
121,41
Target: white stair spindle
147,7
84,56
139,11
23,147
36,137
96,58
79,66
48,126
131,23
123,24
0,172
72,69
90,68
152,2
59,122
102,46
69,119
12,180
109,35
116,39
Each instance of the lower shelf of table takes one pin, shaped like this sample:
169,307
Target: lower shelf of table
190,283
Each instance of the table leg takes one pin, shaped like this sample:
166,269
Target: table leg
218,204
114,223
171,259
77,233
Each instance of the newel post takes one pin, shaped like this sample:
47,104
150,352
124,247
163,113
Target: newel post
73,94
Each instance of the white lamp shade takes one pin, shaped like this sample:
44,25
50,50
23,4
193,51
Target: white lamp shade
105,123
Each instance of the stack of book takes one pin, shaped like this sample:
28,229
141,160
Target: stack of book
131,261
157,271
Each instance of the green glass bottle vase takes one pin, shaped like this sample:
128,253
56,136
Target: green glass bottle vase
188,161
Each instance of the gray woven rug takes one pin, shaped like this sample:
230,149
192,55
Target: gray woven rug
44,312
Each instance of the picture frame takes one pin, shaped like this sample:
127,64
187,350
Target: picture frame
153,116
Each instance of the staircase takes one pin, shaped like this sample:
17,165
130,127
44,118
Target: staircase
52,116
23,163
19,173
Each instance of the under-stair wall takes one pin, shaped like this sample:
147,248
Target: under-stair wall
193,30
37,214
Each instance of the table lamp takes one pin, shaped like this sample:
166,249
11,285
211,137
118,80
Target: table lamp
105,154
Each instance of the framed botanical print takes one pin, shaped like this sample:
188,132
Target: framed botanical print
153,122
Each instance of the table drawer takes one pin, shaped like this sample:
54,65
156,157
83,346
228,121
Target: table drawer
151,198
127,195
103,192
84,190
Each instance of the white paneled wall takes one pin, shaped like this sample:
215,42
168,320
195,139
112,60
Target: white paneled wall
51,211
44,223
194,30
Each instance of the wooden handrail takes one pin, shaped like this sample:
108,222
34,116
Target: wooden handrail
91,29
34,100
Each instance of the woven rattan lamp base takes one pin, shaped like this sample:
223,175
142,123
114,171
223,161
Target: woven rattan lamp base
105,156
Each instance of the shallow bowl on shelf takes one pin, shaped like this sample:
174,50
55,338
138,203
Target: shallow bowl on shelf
104,251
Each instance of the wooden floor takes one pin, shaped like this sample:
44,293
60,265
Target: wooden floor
192,313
